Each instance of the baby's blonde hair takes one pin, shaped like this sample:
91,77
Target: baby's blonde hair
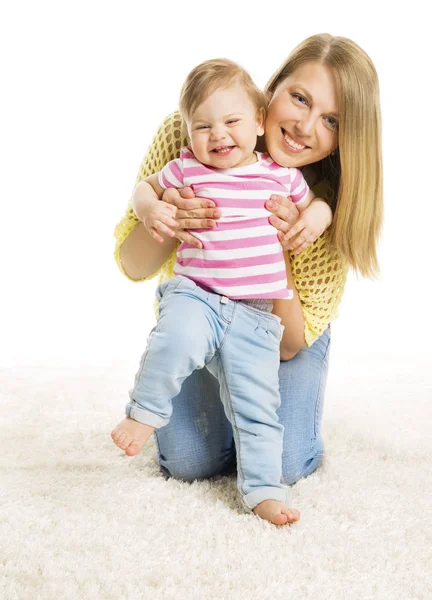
211,75
355,170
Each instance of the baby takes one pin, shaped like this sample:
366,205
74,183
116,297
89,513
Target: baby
216,311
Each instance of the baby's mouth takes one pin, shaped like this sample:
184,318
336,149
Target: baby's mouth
221,150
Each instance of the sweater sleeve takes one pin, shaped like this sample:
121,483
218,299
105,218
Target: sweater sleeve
319,276
166,146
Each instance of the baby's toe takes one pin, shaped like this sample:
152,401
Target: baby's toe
292,515
279,519
133,449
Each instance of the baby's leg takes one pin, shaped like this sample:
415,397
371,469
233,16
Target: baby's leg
249,383
184,339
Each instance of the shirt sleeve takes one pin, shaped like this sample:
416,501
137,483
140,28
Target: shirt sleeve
299,189
172,176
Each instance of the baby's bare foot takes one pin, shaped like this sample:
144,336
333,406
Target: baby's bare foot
276,512
131,435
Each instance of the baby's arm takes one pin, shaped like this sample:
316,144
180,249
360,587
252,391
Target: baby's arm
157,216
315,217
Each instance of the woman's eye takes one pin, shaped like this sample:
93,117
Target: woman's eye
299,98
332,123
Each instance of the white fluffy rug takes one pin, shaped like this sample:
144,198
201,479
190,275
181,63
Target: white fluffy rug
81,521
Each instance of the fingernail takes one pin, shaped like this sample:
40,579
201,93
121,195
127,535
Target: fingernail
270,204
210,204
217,214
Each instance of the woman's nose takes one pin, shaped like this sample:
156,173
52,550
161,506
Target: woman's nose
306,125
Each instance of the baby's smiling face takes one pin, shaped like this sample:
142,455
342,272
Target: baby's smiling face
223,129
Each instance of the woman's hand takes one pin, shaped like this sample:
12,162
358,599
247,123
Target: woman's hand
285,215
312,223
192,213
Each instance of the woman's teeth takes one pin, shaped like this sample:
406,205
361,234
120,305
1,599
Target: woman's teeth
292,143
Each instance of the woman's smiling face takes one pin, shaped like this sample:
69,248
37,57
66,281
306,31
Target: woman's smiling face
302,119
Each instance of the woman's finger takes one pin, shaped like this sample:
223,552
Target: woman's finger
187,192
198,213
196,223
185,199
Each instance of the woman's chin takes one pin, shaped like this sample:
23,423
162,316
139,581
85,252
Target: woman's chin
285,158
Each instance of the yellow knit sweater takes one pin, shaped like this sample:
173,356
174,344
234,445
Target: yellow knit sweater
319,274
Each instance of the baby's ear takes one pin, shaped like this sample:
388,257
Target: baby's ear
261,115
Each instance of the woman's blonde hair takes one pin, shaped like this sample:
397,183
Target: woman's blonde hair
354,172
207,77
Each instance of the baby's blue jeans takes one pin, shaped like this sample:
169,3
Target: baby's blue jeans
239,346
198,442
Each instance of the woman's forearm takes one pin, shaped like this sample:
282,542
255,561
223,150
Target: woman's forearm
141,255
291,313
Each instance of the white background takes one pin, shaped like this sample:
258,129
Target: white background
85,85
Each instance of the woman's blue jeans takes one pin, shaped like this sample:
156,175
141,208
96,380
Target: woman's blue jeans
198,441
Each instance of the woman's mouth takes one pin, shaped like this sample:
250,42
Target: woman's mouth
293,145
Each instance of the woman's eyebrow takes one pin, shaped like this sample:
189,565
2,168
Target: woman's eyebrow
297,87
309,97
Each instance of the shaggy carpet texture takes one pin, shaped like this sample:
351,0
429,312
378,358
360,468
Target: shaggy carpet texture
79,520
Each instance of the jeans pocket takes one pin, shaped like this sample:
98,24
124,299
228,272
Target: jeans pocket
269,332
275,328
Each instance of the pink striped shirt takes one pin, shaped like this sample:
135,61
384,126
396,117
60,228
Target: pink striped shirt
242,256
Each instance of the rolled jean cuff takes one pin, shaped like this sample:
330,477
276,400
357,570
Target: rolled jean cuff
145,416
266,493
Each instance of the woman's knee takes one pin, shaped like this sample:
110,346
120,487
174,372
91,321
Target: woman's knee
191,470
296,468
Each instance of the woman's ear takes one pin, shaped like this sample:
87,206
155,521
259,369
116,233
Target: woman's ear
261,115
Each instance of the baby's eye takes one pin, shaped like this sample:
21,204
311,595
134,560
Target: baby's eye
203,127
233,121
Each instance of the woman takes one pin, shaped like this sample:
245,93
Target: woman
323,111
